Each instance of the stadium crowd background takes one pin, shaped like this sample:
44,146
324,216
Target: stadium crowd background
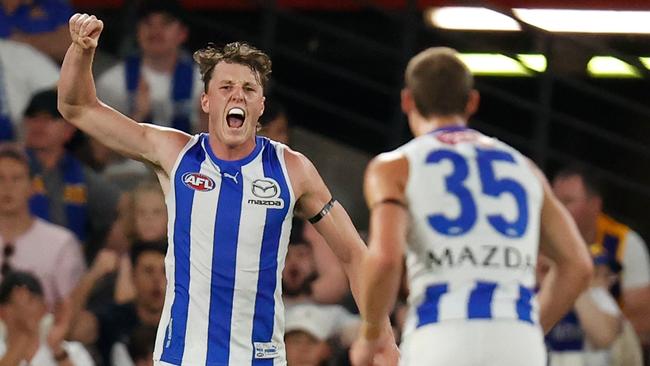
334,96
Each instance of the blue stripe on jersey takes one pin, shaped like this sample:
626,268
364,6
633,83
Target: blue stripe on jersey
264,318
428,310
224,259
480,300
524,304
174,345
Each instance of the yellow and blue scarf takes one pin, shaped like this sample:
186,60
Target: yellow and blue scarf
75,196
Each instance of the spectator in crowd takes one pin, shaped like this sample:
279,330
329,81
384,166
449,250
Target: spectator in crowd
43,24
113,322
161,85
585,336
31,336
308,329
65,191
125,173
145,222
581,194
305,279
23,71
29,243
138,351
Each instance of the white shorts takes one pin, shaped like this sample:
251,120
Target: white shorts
474,343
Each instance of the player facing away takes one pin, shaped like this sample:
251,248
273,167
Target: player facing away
230,197
470,213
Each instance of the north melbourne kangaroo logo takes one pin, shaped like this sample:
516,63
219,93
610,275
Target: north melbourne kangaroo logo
263,188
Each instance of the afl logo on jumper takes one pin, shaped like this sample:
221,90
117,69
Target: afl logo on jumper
198,182
266,192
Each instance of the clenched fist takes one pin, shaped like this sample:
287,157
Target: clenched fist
85,30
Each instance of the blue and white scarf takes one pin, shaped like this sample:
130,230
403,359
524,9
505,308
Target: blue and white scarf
181,88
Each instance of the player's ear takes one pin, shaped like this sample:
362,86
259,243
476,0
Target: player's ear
205,103
473,101
263,106
407,102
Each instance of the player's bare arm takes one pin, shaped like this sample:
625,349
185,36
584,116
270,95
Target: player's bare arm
384,190
560,241
79,105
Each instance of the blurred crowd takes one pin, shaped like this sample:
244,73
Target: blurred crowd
83,230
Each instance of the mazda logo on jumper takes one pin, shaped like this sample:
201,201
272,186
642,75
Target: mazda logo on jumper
266,193
264,188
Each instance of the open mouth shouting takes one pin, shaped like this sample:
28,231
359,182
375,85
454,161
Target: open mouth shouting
235,117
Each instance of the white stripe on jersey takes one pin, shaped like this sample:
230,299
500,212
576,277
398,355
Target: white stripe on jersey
251,230
203,214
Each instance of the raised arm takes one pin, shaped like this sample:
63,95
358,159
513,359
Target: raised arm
79,105
562,243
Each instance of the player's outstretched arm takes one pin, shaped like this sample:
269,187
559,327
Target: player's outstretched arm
560,241
79,105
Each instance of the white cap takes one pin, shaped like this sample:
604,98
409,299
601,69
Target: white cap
313,319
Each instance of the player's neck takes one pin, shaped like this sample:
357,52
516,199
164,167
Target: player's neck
438,122
164,63
230,153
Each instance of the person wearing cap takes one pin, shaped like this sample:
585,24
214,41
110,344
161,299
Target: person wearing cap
39,23
161,84
29,243
65,191
310,326
32,336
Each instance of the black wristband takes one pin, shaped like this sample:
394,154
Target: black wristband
328,206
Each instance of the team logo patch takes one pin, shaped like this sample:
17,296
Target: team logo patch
264,188
198,182
266,193
266,350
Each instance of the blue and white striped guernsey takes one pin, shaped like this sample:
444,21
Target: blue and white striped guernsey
475,206
229,224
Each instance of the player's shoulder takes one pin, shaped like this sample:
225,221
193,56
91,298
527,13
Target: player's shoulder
297,162
388,161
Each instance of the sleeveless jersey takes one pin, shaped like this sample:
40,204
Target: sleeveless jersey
475,207
229,224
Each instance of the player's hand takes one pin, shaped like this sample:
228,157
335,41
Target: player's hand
85,30
381,351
